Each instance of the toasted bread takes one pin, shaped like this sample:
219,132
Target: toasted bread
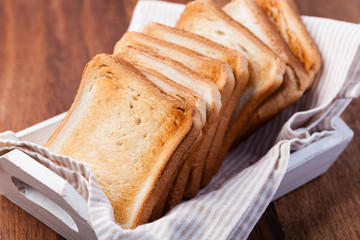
179,180
211,49
188,78
130,134
286,18
265,67
203,46
296,80
177,91
218,72
177,73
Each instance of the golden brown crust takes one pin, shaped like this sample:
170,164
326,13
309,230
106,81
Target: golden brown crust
211,68
285,15
177,91
249,13
139,55
182,126
219,72
296,80
207,89
265,67
201,45
176,189
89,125
290,90
211,49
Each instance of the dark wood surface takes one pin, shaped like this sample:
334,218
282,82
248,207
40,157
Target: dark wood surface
44,46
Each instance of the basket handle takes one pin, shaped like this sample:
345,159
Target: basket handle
45,195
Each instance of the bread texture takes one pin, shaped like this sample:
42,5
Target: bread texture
203,46
173,192
286,18
179,92
211,49
129,133
266,69
190,79
155,120
296,80
178,73
217,71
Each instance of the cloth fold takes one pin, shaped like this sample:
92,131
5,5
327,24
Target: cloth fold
247,181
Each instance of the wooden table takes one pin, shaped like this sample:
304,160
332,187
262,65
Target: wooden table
44,46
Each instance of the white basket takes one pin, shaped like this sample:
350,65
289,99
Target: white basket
52,200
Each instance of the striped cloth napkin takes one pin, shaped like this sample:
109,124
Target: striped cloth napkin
244,186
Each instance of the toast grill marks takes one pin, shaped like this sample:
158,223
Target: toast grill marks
211,49
219,72
131,153
186,77
265,68
286,17
249,14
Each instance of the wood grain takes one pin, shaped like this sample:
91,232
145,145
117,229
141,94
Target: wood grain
327,207
44,46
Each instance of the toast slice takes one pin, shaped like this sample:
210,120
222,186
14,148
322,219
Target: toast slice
218,72
180,178
286,18
188,78
178,73
130,134
296,80
177,91
266,69
211,49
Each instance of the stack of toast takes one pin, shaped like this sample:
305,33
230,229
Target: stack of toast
155,120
